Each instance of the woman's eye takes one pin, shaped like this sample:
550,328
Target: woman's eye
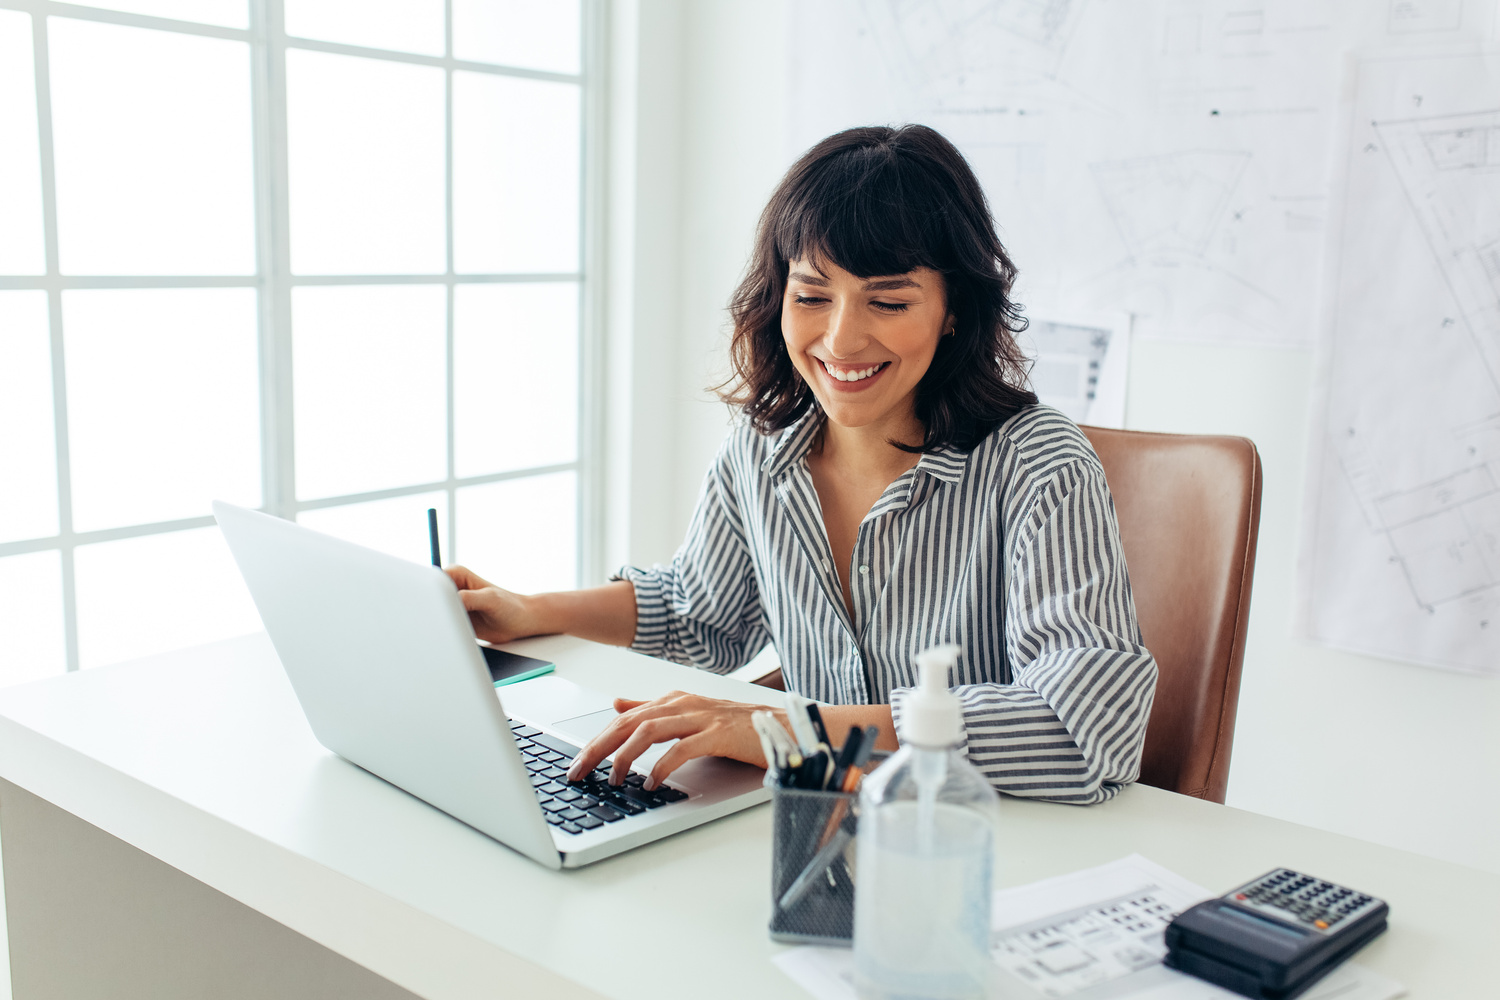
893,307
804,300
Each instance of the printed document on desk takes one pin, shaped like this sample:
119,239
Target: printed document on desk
1089,935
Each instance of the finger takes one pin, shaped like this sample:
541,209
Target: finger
646,735
601,746
476,600
677,755
465,578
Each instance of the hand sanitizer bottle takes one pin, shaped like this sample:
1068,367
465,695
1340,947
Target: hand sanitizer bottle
925,857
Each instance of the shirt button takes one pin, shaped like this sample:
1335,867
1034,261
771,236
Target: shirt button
865,570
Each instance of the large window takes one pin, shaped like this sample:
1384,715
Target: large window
321,257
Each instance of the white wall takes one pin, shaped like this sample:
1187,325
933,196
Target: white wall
1391,753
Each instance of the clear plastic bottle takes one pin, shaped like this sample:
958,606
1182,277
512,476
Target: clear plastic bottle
925,857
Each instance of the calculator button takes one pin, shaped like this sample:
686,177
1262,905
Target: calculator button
1321,925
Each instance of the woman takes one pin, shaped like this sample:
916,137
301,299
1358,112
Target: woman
892,485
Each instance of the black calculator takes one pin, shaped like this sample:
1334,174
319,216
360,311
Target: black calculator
1275,936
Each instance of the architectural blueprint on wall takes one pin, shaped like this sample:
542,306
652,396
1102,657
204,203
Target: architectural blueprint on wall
1163,158
1402,542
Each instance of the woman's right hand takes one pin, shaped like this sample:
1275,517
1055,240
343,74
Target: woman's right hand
497,615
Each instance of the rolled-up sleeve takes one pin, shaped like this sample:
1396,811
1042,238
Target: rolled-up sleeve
1071,724
703,609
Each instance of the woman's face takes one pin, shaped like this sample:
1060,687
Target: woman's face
863,344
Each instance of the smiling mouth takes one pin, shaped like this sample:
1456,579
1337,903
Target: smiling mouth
852,374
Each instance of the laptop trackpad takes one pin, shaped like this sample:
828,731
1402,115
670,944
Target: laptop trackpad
585,727
570,710
551,699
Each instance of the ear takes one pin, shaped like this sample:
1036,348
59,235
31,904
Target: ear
950,325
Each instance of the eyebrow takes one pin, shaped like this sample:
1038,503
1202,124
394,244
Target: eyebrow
882,285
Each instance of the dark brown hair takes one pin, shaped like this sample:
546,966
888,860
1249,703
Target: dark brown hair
881,201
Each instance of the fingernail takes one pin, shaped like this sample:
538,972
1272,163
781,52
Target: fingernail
650,784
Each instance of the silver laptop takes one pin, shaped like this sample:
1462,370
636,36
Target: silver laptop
384,661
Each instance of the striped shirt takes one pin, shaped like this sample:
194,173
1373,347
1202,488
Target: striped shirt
1010,550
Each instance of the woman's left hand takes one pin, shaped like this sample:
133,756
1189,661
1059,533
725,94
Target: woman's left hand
702,727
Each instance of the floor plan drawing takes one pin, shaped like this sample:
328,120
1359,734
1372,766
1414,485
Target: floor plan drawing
1401,546
1450,169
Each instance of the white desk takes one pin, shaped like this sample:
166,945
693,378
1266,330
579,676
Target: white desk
202,760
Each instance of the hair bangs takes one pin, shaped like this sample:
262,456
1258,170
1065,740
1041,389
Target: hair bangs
859,213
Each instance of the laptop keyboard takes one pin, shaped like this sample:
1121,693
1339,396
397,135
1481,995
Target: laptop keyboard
590,802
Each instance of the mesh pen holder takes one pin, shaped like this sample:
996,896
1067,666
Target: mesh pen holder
812,876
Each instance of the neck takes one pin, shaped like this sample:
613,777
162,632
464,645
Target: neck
869,448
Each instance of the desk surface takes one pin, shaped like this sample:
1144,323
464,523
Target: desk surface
202,759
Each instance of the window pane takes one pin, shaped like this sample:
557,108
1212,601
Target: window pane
521,533
31,617
515,376
403,25
28,483
151,132
515,175
228,13
163,402
20,164
397,526
365,153
518,33
140,596
370,391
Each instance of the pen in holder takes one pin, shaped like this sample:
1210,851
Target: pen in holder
812,877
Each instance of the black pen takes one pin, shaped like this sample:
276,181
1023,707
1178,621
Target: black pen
816,718
432,537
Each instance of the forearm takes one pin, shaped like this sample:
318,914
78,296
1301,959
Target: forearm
601,614
838,719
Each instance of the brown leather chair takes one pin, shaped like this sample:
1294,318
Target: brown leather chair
1189,512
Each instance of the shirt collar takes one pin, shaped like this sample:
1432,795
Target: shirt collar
792,445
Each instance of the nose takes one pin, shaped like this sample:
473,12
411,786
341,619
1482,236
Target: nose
846,335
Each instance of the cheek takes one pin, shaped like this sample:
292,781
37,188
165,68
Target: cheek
916,346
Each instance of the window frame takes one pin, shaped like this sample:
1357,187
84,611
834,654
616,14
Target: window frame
274,280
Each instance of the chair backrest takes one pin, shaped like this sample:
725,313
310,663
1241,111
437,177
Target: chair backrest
1189,513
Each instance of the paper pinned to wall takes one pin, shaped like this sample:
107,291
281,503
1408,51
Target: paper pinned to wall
1165,158
1080,364
1401,553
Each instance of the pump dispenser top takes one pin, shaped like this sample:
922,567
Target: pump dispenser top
934,716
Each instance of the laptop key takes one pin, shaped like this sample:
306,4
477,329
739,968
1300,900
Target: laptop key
586,802
589,823
669,794
569,795
626,806
553,743
605,813
635,780
539,779
572,814
530,732
551,788
553,819
645,798
571,828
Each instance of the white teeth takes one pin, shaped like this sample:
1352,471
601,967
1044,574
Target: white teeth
854,376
